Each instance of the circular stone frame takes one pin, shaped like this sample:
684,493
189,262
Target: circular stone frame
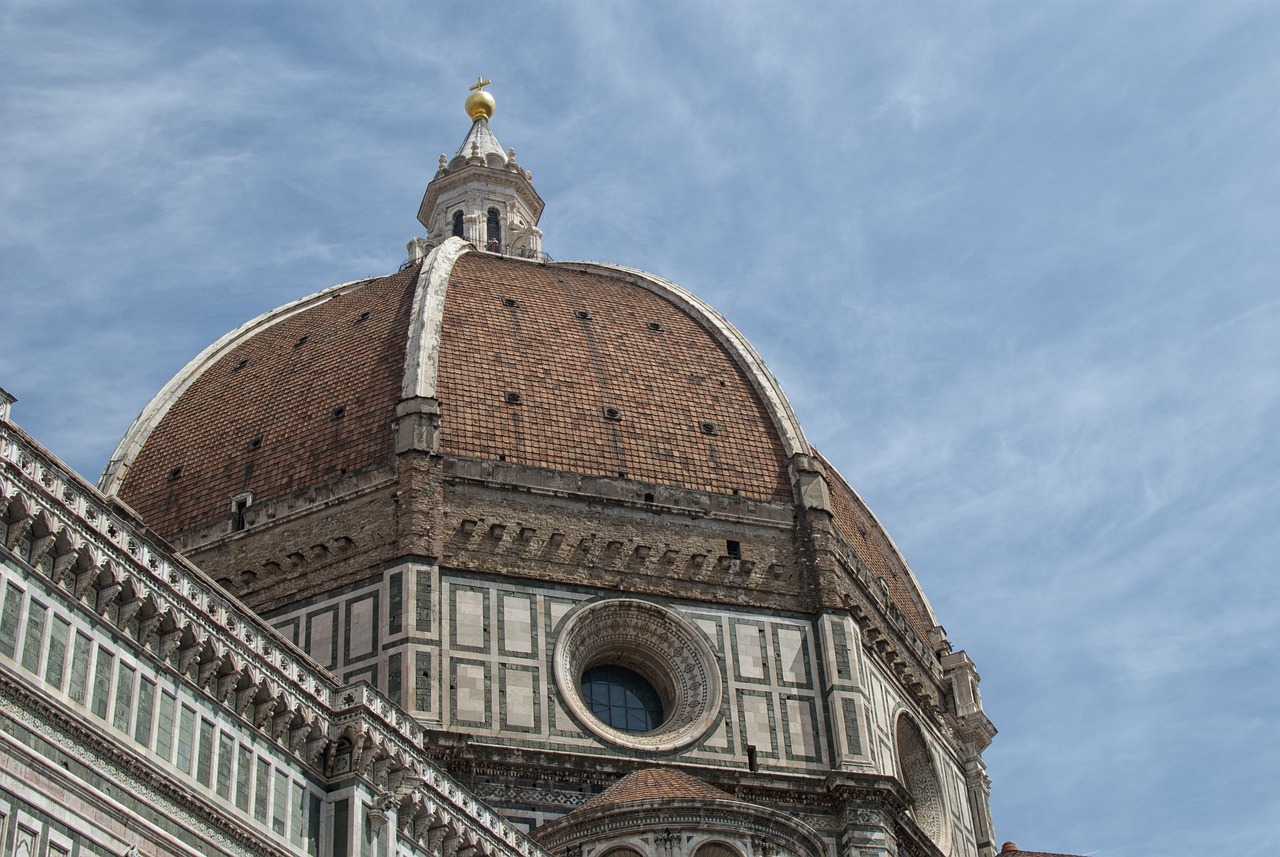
651,640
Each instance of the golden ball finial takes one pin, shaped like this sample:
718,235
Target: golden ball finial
479,103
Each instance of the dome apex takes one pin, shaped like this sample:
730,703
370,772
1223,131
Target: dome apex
481,195
479,104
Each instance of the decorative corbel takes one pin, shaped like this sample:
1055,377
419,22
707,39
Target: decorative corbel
128,610
63,564
280,723
188,654
147,627
330,754
262,711
244,698
40,547
208,670
312,749
298,736
106,596
168,642
84,579
18,530
435,838
367,757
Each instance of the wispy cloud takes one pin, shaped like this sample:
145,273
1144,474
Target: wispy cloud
1013,264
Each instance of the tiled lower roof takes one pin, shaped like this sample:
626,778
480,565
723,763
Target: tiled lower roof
1011,850
655,784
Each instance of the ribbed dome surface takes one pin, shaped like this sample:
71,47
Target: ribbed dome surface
572,344
612,380
567,367
262,416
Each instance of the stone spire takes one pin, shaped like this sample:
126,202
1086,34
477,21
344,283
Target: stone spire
482,195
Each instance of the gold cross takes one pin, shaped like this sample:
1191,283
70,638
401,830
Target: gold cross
481,83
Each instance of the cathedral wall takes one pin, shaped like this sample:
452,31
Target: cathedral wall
497,644
950,809
106,735
371,630
474,654
289,544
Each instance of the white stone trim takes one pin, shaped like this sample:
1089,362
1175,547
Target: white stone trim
131,444
921,599
766,386
422,355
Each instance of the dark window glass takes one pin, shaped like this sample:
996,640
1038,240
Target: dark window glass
494,235
9,620
55,665
622,699
457,224
146,702
226,749
34,642
80,668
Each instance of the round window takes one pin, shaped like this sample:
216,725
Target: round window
622,698
637,675
915,765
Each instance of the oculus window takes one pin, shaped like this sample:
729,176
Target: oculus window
637,675
622,698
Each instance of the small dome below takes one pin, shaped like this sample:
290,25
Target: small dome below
696,820
655,784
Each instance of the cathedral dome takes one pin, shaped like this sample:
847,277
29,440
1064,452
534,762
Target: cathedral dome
572,367
576,370
579,368
560,518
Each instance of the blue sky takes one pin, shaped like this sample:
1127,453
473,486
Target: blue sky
1014,263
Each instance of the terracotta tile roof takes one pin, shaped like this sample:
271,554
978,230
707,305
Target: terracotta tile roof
655,784
286,394
567,369
863,532
1011,850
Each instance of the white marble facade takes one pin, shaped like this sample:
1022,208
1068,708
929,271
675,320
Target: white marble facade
475,655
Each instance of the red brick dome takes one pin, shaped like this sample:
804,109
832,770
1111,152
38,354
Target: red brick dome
575,368
560,366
